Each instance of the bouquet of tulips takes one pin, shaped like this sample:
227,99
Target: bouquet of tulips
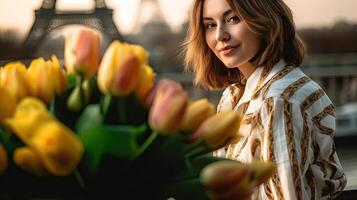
98,128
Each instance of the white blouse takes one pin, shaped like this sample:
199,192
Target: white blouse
289,120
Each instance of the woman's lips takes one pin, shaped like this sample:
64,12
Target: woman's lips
227,50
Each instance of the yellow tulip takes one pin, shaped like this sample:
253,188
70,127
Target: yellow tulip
196,113
48,78
168,109
120,67
146,82
3,159
82,52
28,159
262,170
15,78
59,148
29,115
219,128
7,104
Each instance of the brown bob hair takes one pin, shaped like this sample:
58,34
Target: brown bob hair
272,19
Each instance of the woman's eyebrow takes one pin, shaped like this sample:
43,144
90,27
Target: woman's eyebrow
225,13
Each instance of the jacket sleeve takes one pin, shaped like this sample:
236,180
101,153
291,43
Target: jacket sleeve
301,145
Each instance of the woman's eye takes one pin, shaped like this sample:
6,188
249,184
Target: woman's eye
233,19
209,25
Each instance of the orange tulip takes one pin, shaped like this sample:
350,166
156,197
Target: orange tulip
82,52
196,113
146,82
168,109
120,68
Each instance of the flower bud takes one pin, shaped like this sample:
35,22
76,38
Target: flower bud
82,52
168,109
15,78
28,159
196,113
48,78
7,104
59,148
3,159
120,67
75,101
219,128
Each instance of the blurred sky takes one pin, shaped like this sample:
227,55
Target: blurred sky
18,14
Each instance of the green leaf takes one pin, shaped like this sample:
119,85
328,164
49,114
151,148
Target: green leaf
119,141
90,117
124,110
199,162
9,141
186,189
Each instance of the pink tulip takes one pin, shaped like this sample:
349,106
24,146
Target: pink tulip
233,180
160,85
82,52
168,109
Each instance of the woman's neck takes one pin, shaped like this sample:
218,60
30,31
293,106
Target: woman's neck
247,69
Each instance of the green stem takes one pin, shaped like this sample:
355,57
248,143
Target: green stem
194,146
193,151
106,103
147,143
79,179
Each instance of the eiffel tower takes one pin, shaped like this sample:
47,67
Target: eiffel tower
48,19
149,11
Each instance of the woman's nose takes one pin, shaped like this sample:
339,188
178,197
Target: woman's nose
222,34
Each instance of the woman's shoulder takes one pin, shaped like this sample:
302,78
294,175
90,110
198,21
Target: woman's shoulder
301,91
294,86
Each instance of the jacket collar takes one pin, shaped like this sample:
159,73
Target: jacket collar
257,80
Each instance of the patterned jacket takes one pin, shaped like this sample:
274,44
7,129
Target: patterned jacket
289,120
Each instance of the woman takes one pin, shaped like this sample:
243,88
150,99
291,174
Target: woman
250,47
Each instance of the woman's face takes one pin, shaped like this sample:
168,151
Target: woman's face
230,38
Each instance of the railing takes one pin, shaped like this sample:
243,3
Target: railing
348,195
